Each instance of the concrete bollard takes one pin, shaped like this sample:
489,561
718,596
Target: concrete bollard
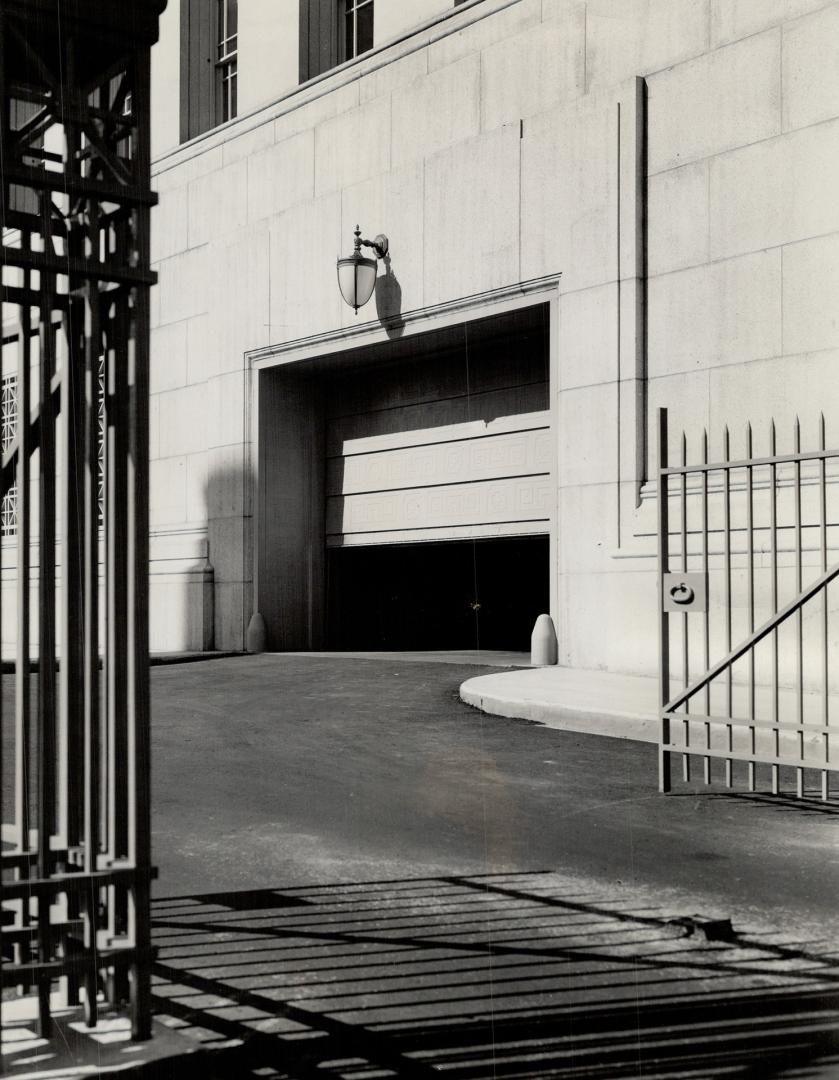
257,634
543,648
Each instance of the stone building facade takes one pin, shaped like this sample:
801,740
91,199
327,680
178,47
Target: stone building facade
594,208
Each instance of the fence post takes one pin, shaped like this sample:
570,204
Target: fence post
662,495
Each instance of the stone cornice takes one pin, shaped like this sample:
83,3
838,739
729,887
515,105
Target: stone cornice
408,323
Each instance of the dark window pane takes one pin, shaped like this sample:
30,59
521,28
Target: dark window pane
349,36
364,29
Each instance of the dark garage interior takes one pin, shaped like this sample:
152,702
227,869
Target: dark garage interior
466,594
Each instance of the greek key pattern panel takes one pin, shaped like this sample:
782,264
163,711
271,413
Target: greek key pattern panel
448,508
520,453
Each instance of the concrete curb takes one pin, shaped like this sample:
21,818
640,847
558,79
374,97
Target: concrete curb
8,667
163,659
515,695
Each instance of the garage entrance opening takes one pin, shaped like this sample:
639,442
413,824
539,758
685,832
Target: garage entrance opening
394,476
482,594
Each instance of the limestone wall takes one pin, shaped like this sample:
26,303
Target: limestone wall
505,143
267,51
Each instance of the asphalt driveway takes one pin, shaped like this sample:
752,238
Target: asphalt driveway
290,771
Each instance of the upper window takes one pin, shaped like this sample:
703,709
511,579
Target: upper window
226,59
209,64
332,32
357,36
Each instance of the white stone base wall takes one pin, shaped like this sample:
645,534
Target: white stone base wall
181,596
181,593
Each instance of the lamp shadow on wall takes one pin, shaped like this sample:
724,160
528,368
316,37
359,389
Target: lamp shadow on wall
389,301
229,493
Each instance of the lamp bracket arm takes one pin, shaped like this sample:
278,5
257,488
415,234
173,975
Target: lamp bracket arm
379,245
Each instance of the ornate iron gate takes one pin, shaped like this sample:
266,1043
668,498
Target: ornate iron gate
746,627
74,138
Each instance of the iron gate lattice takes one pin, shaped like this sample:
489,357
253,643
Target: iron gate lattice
746,625
74,140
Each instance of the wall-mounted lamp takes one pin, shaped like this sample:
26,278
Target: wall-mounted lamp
357,275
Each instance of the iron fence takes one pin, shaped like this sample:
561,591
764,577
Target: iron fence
74,122
746,626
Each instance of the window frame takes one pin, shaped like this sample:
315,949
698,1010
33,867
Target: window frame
344,9
322,37
227,60
209,66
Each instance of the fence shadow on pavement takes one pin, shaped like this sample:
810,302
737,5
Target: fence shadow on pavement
512,975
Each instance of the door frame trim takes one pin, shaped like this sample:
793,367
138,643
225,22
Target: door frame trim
436,316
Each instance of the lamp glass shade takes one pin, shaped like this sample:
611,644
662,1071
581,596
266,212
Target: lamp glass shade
356,279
